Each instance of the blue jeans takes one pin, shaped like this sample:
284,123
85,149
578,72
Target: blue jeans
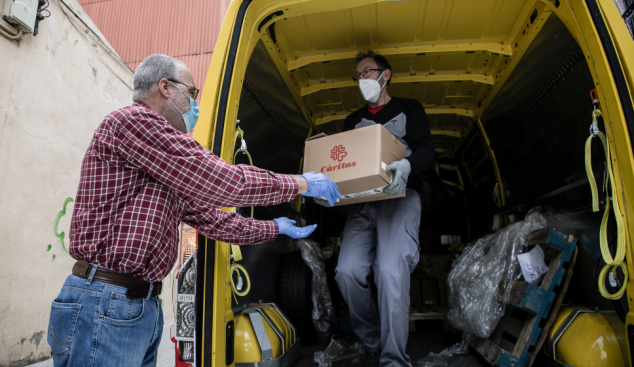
95,324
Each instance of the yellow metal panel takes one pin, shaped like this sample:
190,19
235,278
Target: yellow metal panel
491,153
409,79
246,346
490,48
522,40
449,111
280,62
455,134
327,119
588,341
428,111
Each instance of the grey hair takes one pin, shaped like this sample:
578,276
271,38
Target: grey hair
150,72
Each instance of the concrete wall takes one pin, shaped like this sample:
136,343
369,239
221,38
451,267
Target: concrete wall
54,91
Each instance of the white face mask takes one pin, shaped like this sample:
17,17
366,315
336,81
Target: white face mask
371,89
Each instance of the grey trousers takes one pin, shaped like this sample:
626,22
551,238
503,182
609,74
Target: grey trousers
380,237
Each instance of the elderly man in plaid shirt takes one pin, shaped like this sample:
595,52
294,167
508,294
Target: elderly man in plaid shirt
141,176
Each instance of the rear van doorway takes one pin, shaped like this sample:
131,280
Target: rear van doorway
509,89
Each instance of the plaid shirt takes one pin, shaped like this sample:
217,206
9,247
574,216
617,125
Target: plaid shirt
140,178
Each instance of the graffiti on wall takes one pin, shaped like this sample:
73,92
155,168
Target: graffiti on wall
60,235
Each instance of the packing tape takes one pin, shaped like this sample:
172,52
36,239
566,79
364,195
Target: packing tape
361,194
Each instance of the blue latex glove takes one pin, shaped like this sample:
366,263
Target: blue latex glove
400,172
321,186
287,227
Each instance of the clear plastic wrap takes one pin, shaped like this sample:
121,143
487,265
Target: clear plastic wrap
440,359
323,310
476,276
338,350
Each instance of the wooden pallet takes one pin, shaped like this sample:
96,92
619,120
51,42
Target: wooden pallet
531,309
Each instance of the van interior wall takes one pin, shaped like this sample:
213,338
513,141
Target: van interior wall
538,126
539,122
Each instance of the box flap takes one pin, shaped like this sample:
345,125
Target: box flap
315,137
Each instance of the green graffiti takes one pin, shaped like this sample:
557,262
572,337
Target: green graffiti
59,216
61,235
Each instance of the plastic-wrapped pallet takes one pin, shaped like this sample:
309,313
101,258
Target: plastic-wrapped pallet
323,310
475,277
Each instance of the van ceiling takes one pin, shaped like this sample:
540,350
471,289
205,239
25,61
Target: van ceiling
453,56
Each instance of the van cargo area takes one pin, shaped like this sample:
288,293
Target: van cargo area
509,94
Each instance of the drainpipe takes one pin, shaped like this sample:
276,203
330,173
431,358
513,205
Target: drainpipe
7,32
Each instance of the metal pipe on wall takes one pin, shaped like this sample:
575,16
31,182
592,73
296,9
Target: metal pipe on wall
5,31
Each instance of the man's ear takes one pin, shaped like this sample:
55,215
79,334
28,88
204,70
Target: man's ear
387,75
164,88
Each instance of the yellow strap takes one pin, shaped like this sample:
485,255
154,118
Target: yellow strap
235,249
245,152
237,253
617,261
240,134
237,268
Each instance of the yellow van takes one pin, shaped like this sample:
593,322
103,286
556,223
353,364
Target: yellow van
510,89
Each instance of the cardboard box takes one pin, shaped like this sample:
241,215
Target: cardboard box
356,161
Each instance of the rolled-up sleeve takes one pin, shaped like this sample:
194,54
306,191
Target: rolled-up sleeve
227,226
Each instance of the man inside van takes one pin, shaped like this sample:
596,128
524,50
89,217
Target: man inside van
381,237
142,176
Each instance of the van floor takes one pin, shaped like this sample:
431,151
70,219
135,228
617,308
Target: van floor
426,339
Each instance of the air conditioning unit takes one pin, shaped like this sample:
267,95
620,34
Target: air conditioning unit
21,13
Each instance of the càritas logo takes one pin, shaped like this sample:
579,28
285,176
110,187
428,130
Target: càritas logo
338,153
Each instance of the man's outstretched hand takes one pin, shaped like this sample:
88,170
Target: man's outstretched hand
321,186
288,228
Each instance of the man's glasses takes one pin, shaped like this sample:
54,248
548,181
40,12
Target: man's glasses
192,90
365,73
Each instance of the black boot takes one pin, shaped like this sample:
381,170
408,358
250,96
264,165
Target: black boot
372,358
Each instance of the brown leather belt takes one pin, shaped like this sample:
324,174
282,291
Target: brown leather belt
137,288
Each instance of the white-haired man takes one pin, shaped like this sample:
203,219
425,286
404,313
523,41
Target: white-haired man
141,176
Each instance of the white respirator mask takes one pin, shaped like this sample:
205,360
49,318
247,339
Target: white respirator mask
371,89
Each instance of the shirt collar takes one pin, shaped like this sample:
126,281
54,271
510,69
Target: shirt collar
140,104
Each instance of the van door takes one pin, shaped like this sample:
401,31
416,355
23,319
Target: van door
214,318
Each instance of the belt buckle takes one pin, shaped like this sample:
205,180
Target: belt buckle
82,268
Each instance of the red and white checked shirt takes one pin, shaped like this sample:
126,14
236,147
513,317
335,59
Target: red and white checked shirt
141,177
